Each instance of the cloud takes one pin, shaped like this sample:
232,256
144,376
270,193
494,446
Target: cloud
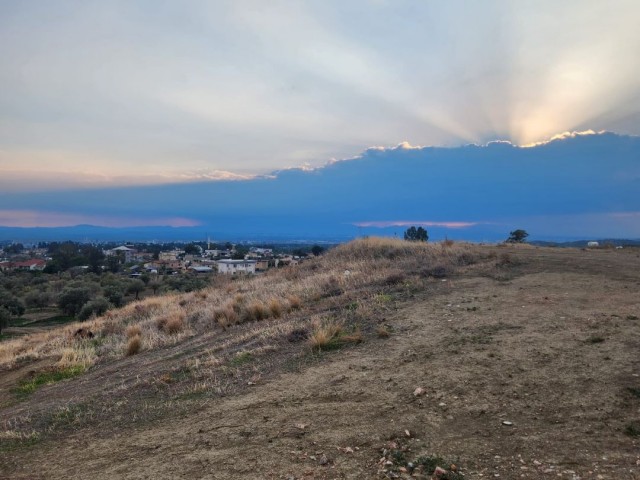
43,218
564,136
43,180
420,223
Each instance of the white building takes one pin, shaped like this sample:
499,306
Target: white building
126,253
232,267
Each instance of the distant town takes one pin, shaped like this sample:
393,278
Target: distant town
55,282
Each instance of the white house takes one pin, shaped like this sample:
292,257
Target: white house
593,244
232,267
126,252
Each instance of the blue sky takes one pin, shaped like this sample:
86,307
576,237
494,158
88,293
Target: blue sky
106,95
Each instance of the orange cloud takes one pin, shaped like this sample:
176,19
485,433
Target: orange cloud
40,218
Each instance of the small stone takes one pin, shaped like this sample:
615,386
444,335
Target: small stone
439,471
323,460
419,392
507,423
442,404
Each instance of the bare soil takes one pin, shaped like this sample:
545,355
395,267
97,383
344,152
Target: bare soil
548,342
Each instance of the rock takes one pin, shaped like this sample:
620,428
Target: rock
324,460
418,392
507,423
439,472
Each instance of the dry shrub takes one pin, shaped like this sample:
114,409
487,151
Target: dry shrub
324,334
174,324
383,332
225,316
448,243
134,345
133,330
255,311
295,303
161,322
275,307
395,278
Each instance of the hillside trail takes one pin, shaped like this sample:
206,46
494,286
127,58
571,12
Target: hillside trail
484,352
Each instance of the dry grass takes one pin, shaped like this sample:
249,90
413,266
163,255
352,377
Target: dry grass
133,330
347,274
134,345
331,334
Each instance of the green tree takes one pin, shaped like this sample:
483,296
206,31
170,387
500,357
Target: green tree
136,286
11,303
517,236
114,293
113,263
5,317
192,249
154,285
37,299
14,248
95,307
95,258
72,300
414,234
317,250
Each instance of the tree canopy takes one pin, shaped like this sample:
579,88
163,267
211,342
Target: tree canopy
414,234
517,236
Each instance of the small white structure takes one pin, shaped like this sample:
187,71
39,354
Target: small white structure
593,244
233,267
126,252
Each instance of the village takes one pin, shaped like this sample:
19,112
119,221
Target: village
136,260
43,285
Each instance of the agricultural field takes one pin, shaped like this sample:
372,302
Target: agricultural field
379,359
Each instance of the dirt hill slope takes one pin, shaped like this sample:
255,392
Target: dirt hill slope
523,365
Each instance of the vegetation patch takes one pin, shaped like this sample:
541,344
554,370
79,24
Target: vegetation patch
241,358
11,440
396,459
594,339
30,385
332,334
635,391
632,429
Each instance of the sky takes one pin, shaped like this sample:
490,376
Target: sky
102,95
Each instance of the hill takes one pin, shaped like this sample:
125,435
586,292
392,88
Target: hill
380,359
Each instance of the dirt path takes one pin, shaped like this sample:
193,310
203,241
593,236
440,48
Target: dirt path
553,353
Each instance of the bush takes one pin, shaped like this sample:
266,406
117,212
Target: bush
115,294
134,345
37,299
10,302
72,300
95,307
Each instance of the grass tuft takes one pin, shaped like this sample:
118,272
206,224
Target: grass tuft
134,345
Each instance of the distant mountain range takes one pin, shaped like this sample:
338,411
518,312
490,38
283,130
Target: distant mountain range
572,188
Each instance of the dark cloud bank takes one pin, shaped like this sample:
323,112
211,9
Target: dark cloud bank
580,186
